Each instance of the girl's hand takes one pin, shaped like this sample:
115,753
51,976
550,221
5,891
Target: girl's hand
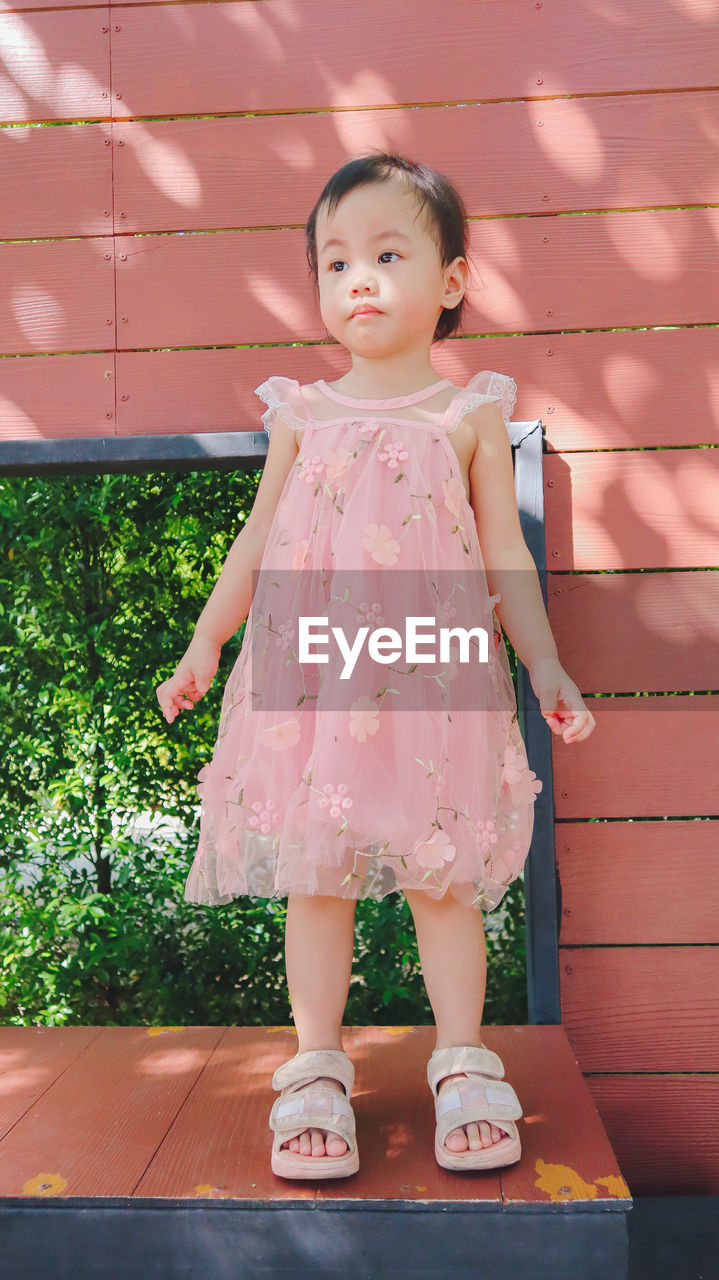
560,701
191,678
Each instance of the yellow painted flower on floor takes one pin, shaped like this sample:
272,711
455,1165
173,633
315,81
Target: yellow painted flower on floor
45,1184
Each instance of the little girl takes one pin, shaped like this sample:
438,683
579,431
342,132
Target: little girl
323,790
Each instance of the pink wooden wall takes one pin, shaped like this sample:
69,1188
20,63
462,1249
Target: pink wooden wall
153,273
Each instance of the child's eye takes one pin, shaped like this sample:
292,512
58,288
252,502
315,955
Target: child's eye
382,255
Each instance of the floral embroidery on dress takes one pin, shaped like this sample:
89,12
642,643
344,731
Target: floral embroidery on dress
265,815
336,464
301,549
284,634
281,736
380,543
454,495
336,797
310,469
369,614
434,852
364,718
393,453
487,834
436,800
370,430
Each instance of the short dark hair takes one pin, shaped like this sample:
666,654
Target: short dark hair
446,214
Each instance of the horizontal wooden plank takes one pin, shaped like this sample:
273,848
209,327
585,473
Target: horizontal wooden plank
582,386
57,181
57,295
252,287
647,757
630,510
58,397
642,1008
623,632
181,175
618,389
665,1131
614,878
499,49
56,63
95,1129
31,1059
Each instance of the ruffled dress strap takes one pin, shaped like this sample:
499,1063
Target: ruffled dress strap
485,385
283,397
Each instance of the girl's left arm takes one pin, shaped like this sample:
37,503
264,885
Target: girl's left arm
511,572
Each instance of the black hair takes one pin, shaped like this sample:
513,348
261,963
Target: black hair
446,217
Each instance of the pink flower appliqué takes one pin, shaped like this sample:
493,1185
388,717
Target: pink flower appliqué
336,463
301,549
454,495
514,764
336,797
435,851
369,614
369,430
393,453
523,781
364,718
378,540
486,834
505,719
281,736
265,815
284,635
534,783
311,468
202,780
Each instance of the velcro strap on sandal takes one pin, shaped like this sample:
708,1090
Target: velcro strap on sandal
466,1057
306,1067
317,1108
469,1101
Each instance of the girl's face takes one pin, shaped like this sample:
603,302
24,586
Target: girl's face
400,273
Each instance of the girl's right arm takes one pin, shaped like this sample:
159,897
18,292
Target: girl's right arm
229,604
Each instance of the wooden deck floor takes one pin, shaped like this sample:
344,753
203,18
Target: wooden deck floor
130,1116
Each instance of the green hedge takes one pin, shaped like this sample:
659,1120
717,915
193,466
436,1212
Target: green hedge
101,582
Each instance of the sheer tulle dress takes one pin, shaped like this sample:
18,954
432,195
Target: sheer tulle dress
389,789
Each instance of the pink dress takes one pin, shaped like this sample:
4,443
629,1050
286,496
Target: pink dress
309,791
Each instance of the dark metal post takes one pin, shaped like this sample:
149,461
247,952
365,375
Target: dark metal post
541,883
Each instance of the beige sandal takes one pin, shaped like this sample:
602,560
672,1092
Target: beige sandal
305,1104
478,1098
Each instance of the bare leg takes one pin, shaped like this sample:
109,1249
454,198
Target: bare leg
319,948
453,953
